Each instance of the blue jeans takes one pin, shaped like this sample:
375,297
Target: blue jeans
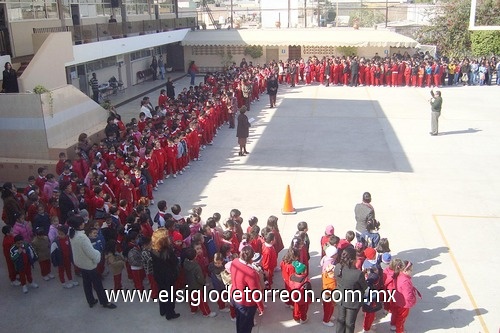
498,77
193,76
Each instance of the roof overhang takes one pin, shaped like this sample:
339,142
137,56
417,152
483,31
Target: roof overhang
93,51
304,37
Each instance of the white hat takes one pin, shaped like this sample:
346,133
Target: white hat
331,251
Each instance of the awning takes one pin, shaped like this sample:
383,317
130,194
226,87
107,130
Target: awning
303,37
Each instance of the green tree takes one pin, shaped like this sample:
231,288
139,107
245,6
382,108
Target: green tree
488,12
449,28
485,43
366,17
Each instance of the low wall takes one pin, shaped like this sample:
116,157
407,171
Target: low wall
34,129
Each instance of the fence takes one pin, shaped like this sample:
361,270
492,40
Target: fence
98,32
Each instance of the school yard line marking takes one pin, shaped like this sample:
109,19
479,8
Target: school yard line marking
457,267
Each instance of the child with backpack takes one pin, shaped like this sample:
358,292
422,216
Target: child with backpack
41,244
371,304
23,256
62,257
115,262
300,281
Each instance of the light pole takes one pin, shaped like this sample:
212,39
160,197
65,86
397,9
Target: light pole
386,12
231,14
319,16
337,14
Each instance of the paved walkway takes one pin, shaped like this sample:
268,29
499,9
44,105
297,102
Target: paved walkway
436,197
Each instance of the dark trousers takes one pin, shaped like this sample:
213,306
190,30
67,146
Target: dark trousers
346,319
95,95
91,279
244,317
354,79
167,308
272,100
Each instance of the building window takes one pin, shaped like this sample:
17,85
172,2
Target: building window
236,49
47,9
321,50
101,63
146,53
208,50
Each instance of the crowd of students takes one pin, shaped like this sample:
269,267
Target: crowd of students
111,185
398,70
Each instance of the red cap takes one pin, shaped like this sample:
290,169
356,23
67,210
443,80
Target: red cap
370,253
176,236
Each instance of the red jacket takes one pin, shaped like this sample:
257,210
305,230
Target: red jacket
244,276
300,282
269,258
406,293
287,270
389,279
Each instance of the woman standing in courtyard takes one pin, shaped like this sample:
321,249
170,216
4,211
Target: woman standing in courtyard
242,131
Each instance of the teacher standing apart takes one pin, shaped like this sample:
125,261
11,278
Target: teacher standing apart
86,258
243,130
436,104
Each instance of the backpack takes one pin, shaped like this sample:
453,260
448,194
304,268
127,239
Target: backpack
373,280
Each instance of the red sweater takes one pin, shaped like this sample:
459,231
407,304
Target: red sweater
269,258
244,276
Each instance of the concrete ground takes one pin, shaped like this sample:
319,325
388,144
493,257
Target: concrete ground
436,198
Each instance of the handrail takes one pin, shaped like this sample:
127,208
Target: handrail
88,33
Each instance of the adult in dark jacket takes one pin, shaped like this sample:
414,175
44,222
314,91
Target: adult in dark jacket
272,89
170,88
349,279
354,72
243,131
67,201
165,270
9,83
112,128
363,212
11,207
436,105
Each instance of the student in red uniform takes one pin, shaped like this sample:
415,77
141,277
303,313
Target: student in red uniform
60,163
41,244
134,257
300,281
62,258
8,242
405,295
243,277
287,270
171,159
127,191
272,222
40,180
329,231
115,262
269,257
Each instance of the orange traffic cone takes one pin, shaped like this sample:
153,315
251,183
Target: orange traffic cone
288,206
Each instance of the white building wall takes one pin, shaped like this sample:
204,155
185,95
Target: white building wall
277,11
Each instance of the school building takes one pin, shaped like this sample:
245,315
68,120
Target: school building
58,57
